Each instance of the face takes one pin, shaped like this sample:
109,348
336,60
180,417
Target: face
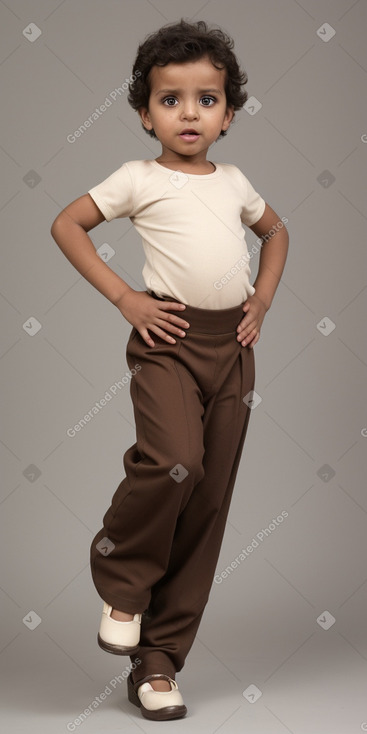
189,96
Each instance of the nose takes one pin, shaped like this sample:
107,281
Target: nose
190,109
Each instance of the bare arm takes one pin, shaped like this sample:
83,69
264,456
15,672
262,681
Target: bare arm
273,255
69,231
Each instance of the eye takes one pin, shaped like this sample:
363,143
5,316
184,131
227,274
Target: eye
208,99
166,99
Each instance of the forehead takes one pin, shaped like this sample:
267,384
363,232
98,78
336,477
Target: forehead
200,73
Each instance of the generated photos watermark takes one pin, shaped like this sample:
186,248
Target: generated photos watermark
97,407
72,725
245,552
244,260
99,111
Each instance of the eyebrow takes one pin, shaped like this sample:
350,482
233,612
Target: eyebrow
176,91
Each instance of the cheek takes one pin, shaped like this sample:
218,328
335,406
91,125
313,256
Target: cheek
163,123
215,115
163,116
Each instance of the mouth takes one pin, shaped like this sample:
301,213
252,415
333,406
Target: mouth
190,134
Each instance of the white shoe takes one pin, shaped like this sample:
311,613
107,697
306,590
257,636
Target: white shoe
156,705
120,638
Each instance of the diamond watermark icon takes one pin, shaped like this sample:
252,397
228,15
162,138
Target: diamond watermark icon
32,326
31,32
32,620
326,326
326,472
252,106
32,179
105,546
325,178
105,252
252,693
31,472
252,399
178,473
178,179
326,620
326,32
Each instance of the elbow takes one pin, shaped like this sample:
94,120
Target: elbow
55,226
59,224
53,230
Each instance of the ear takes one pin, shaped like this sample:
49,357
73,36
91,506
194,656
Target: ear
228,117
145,118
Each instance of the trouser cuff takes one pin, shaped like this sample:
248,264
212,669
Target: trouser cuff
123,604
151,661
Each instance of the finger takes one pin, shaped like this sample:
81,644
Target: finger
172,328
173,319
244,333
248,328
163,334
146,337
247,323
171,306
254,341
248,338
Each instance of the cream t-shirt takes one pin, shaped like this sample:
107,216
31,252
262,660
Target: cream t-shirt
190,224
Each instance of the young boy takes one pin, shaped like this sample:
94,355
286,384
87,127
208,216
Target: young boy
190,351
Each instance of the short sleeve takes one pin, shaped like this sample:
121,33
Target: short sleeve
254,205
114,196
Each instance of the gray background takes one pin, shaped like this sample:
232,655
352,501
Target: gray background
304,150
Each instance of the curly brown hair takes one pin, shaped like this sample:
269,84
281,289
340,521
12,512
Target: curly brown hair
180,42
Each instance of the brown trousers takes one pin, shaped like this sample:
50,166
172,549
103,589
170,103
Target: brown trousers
167,517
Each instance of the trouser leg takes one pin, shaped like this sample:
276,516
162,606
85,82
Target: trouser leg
141,520
178,599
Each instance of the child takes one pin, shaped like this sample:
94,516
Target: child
190,351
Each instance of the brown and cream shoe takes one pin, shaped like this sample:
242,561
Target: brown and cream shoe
156,705
120,638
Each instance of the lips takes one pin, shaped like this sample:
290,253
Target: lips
190,135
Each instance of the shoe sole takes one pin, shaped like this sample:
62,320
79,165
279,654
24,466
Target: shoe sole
116,649
163,714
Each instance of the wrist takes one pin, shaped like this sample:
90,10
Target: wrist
265,303
118,301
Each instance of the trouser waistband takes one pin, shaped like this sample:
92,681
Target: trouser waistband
207,320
